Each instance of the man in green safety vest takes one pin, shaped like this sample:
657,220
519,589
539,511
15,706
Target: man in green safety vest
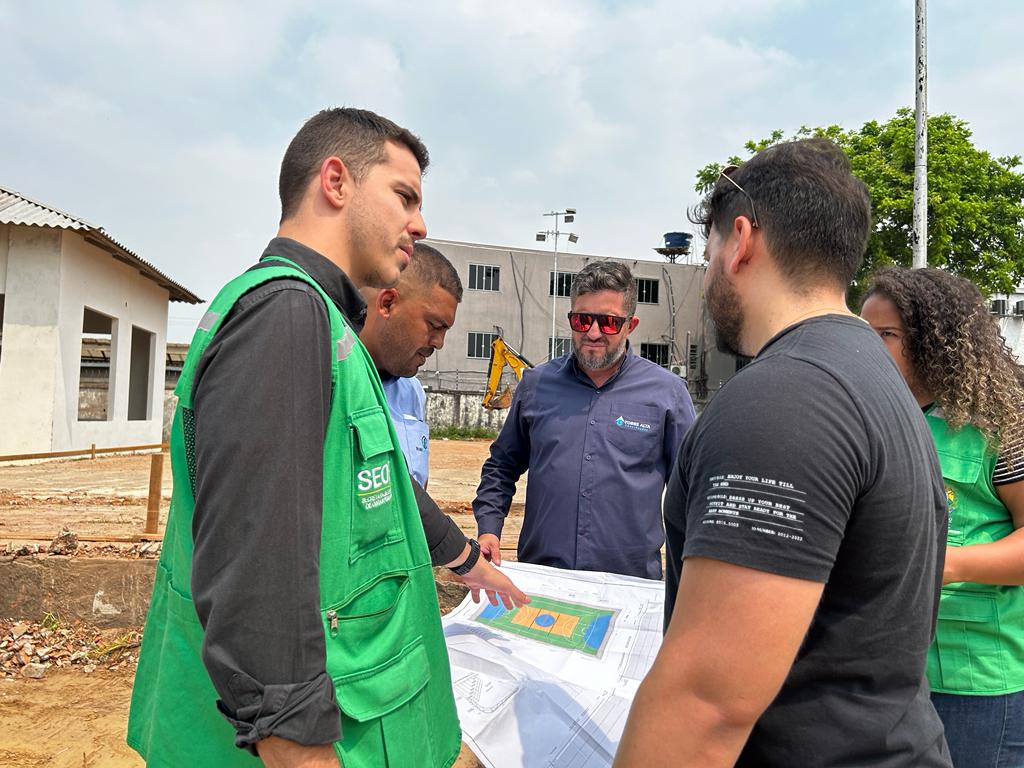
294,615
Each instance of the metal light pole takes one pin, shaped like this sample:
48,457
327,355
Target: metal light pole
568,215
919,239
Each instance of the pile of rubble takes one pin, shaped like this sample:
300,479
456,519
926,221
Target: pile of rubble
29,649
66,543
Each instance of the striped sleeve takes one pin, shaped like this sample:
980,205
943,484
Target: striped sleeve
1010,464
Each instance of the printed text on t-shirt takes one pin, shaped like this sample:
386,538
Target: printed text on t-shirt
767,505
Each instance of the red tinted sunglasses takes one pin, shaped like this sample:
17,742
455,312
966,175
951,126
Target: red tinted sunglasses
608,324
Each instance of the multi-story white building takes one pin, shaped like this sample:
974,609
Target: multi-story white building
508,292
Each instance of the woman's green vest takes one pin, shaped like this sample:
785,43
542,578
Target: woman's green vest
385,648
979,639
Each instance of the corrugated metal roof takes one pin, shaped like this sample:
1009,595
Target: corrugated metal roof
18,209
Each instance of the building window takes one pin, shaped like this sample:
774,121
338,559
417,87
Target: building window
646,291
140,375
483,277
95,393
656,353
480,344
564,283
562,346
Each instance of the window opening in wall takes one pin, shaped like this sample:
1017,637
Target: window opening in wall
646,290
483,277
656,353
95,393
480,344
693,358
140,375
562,345
564,283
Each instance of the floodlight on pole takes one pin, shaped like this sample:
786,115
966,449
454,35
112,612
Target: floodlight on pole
567,216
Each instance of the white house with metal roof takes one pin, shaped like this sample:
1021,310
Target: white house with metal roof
66,286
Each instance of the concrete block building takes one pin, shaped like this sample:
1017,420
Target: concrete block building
83,327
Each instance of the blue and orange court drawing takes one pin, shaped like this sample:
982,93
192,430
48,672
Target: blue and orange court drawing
575,626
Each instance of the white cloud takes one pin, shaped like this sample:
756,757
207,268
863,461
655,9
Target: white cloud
166,124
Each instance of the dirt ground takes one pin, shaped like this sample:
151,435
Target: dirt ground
75,719
107,496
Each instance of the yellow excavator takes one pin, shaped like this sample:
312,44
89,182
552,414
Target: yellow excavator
501,355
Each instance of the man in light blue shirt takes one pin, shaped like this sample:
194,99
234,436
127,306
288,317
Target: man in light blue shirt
408,404
404,325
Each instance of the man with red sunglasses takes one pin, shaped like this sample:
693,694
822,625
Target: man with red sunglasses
598,429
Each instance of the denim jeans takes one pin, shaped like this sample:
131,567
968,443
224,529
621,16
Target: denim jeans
983,731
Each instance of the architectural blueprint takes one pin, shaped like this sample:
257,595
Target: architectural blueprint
550,684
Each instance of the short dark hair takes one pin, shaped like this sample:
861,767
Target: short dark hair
605,276
357,136
814,214
431,268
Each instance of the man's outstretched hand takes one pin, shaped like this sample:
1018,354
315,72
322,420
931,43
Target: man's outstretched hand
496,584
490,547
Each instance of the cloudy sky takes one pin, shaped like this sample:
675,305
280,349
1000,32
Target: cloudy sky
165,123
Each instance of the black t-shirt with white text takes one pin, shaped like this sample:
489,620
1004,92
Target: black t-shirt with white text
815,462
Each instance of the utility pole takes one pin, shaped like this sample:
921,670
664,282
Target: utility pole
568,216
919,238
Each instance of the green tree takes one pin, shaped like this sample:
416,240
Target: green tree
975,201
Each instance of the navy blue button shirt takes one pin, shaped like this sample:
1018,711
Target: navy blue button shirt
598,459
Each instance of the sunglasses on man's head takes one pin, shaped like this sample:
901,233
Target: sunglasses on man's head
608,324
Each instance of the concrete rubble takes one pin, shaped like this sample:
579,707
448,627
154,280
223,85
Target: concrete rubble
64,543
142,550
30,649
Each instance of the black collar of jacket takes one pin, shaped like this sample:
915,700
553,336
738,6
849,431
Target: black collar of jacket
326,273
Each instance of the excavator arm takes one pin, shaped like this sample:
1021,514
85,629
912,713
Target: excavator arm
501,355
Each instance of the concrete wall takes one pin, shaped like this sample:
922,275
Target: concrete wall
106,593
461,409
31,342
51,276
5,246
92,278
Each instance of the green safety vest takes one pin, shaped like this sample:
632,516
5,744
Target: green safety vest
979,638
385,648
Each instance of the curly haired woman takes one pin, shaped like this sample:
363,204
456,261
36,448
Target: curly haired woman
939,332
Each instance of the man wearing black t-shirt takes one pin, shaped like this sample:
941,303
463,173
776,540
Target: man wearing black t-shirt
805,517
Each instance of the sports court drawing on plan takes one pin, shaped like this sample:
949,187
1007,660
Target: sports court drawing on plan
575,626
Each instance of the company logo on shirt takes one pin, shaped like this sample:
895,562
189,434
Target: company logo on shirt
423,442
374,485
636,426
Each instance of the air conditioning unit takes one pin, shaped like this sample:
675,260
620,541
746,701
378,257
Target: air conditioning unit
1018,308
680,370
998,307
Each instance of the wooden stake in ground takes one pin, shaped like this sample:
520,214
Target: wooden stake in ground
156,478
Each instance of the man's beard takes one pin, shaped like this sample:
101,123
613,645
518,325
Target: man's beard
726,313
609,357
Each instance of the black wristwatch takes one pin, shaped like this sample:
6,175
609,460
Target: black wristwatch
470,562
